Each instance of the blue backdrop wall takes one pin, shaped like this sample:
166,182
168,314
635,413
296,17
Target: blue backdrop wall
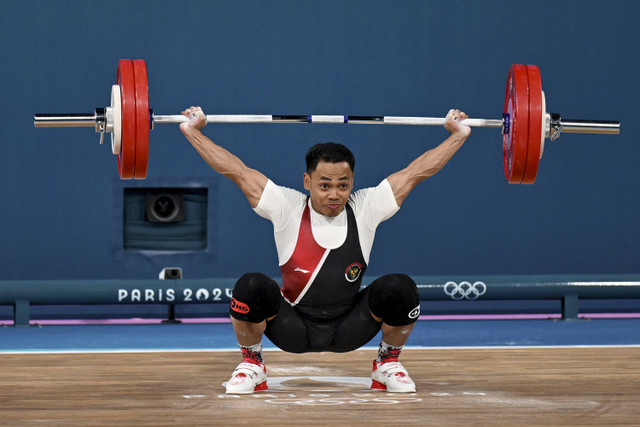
61,199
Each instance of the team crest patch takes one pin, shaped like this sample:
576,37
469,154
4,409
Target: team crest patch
353,272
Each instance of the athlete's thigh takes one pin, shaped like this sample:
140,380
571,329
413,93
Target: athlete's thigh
358,327
287,330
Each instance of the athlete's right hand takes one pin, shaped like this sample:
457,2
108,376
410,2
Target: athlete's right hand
455,123
197,119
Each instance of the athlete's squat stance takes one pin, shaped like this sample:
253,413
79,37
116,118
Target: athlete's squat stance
323,242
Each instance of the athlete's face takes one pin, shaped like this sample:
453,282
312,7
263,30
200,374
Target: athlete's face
329,187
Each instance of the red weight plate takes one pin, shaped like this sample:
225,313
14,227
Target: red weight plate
142,119
535,125
515,141
127,156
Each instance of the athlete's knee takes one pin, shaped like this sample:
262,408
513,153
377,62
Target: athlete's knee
395,299
256,297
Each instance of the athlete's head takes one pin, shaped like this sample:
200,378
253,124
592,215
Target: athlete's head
329,177
329,152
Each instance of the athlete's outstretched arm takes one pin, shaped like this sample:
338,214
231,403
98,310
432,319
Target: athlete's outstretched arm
430,163
250,181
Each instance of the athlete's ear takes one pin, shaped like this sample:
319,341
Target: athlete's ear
307,181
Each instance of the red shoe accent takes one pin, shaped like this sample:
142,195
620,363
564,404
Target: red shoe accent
261,387
375,385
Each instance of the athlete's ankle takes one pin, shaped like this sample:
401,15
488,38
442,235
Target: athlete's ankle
252,353
388,353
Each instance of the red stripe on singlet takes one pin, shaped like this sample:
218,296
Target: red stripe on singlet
298,271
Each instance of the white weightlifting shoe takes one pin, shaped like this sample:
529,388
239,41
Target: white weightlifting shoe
392,377
247,378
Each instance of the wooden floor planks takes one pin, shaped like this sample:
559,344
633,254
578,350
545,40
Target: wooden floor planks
501,386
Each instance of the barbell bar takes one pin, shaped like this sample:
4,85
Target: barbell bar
525,122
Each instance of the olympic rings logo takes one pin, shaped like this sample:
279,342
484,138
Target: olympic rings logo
465,290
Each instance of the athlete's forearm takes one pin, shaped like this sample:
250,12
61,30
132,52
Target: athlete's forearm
220,159
432,161
425,166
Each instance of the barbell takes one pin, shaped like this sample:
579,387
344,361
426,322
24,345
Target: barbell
525,122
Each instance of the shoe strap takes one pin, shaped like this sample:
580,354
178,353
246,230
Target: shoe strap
250,369
392,368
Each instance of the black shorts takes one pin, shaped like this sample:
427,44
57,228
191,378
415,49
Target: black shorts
295,332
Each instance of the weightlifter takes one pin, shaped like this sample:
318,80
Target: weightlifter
323,242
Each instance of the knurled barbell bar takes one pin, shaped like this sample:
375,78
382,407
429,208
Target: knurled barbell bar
525,122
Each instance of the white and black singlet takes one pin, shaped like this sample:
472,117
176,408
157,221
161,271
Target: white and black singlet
323,259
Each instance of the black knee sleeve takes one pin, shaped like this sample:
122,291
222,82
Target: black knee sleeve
395,299
255,298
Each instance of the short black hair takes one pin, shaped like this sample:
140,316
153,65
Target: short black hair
329,152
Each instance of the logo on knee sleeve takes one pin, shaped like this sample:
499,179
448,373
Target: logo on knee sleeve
238,306
415,312
353,272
